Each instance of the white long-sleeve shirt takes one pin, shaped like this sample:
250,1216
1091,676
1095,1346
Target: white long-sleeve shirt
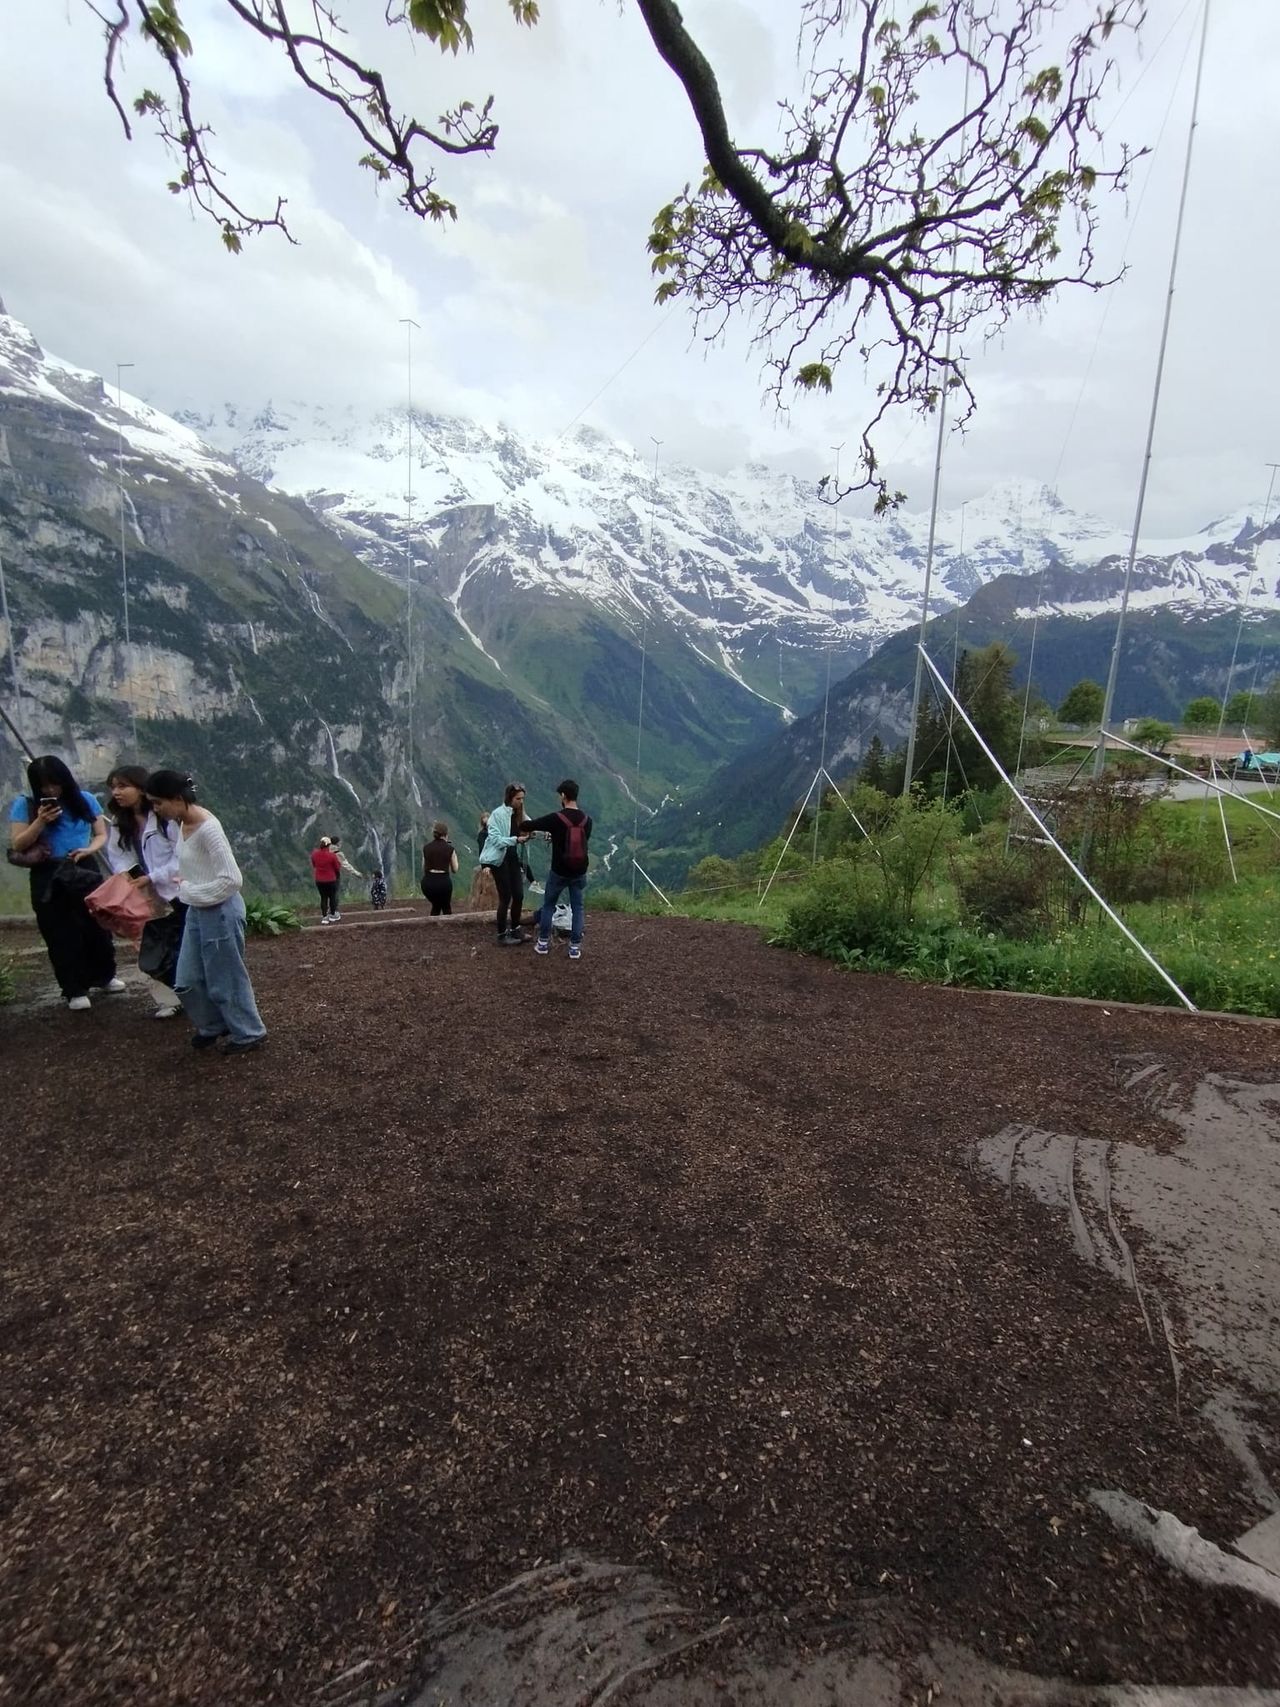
207,871
157,855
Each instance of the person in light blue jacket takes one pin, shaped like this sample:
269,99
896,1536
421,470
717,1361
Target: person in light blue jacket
500,854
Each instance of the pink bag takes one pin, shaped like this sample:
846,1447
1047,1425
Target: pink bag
121,908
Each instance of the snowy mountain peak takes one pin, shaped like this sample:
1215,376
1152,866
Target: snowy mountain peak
745,566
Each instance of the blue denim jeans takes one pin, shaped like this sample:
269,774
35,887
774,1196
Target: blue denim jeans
212,981
556,884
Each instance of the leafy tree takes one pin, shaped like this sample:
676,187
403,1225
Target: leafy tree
1202,713
713,872
945,749
1267,712
1151,733
1240,709
855,234
1083,704
872,769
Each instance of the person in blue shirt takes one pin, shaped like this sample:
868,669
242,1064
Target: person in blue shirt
58,821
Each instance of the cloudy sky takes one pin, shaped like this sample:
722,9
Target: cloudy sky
541,292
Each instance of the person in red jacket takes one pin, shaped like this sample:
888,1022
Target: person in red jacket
328,869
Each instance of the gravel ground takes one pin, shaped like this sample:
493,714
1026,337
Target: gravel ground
673,1257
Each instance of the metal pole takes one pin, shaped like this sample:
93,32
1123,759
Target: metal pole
1100,756
9,640
826,698
644,652
410,326
955,671
928,574
1053,841
16,732
124,556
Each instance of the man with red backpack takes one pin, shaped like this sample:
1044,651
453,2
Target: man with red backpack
570,831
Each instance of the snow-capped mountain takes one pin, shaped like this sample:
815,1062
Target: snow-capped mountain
270,642
754,568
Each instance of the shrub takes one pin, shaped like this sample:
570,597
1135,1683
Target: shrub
1005,892
268,918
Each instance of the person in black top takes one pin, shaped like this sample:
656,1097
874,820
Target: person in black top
570,831
439,862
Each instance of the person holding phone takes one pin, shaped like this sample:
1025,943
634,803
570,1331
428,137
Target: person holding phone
53,823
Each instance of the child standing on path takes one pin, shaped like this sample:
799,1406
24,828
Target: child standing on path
570,831
377,890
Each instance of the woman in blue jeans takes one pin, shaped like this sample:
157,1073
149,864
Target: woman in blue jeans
212,981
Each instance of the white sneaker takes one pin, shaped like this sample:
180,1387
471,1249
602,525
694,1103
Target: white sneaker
335,918
325,917
79,1004
166,1013
114,987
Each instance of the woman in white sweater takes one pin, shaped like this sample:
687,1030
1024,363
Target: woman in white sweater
213,980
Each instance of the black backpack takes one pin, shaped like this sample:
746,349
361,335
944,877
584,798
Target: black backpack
575,845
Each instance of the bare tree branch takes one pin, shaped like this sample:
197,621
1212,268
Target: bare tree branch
397,146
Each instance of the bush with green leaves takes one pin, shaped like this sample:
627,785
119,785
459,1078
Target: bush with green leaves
1152,734
1202,713
269,918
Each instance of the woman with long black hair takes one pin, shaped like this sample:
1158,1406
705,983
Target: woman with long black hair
146,847
212,978
501,856
52,828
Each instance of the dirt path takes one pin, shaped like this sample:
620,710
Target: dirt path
688,1257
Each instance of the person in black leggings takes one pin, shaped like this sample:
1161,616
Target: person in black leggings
501,854
439,862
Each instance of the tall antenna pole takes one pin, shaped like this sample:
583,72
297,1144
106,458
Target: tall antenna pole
124,554
8,634
644,648
410,326
1100,751
13,665
937,479
955,670
928,573
826,699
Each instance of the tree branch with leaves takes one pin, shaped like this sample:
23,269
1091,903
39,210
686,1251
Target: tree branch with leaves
939,172
867,233
397,148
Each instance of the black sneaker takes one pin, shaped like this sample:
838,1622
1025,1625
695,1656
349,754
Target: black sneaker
517,936
206,1040
243,1045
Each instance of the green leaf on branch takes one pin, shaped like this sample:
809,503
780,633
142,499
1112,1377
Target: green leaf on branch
814,376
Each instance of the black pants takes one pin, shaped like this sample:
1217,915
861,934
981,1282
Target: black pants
510,885
437,886
80,951
328,898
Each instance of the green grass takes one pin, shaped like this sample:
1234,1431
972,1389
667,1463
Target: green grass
1219,948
